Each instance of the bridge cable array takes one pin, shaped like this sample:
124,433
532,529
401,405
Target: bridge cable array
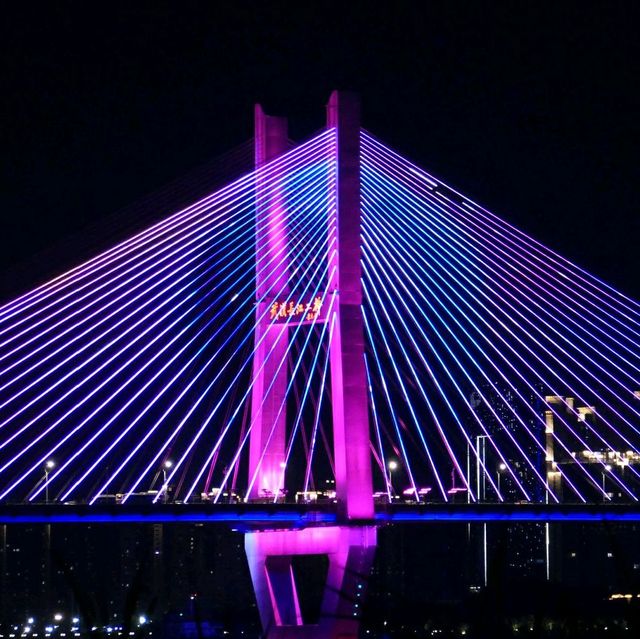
128,368
511,368
497,369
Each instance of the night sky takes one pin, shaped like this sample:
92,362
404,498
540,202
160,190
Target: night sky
529,108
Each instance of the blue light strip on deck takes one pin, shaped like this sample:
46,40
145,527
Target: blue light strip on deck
263,515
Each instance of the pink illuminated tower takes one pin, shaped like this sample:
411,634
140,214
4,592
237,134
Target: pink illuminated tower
349,549
271,140
354,484
348,376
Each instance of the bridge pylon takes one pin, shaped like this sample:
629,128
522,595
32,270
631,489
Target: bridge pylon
267,448
354,484
350,410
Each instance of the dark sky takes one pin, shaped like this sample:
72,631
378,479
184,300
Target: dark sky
529,108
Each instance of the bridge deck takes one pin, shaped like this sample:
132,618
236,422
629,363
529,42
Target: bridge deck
295,515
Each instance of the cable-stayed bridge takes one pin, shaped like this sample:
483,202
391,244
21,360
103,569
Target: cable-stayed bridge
337,337
336,320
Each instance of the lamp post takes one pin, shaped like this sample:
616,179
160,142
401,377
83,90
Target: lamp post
607,469
50,465
501,468
165,467
392,466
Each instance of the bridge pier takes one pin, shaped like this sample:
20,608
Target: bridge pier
350,552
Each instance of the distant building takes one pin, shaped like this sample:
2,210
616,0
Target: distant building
513,420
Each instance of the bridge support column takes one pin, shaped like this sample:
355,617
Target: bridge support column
351,438
268,434
350,552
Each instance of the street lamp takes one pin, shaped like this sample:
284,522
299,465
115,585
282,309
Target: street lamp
501,468
481,455
393,464
165,467
50,465
607,469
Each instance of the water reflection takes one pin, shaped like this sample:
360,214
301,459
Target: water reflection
285,563
431,580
